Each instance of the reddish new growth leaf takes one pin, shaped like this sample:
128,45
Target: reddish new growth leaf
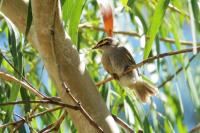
106,12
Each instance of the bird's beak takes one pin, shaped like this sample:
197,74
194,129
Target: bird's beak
95,47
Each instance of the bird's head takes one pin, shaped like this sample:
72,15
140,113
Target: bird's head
104,43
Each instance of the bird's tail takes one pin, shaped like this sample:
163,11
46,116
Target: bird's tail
144,90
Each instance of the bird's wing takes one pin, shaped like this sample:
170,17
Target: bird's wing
107,64
128,57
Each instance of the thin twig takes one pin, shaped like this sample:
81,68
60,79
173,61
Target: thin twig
23,78
149,60
32,116
173,8
21,123
24,120
195,129
24,83
129,33
123,124
59,121
177,72
46,128
11,78
41,102
54,126
82,110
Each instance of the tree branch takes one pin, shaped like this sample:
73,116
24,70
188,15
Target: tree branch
25,84
31,117
123,124
54,126
49,101
41,102
149,60
167,40
12,79
24,120
175,9
21,123
177,72
195,129
82,110
62,59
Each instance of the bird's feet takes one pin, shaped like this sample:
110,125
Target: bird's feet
115,76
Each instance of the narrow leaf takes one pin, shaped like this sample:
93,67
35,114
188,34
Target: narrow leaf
155,24
66,10
29,19
193,9
158,51
193,89
75,19
196,13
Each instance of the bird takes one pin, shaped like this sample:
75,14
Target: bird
116,61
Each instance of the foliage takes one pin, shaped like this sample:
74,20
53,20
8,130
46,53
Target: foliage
175,109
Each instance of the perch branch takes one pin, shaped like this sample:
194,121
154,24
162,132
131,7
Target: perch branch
149,60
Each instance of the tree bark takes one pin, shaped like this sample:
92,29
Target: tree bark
61,60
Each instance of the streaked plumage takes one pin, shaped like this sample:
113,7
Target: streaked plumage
116,59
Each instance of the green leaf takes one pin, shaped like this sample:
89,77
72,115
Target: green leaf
131,3
193,89
128,113
180,99
1,58
196,13
13,47
115,107
177,39
66,10
135,110
140,16
13,40
193,10
28,19
181,127
158,51
124,3
168,126
147,126
75,19
155,24
25,97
